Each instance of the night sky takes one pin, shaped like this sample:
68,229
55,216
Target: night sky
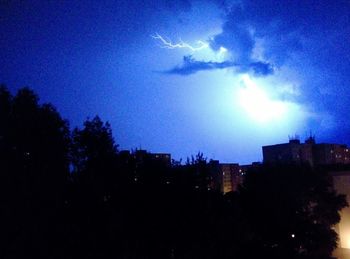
221,77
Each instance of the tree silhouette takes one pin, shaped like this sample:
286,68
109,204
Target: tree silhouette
94,160
291,210
94,151
34,169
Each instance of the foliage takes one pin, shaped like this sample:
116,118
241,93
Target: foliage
74,195
291,210
34,142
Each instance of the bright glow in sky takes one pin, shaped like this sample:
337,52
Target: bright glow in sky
257,103
256,100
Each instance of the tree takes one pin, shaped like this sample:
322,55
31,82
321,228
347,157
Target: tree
34,144
95,175
94,153
291,210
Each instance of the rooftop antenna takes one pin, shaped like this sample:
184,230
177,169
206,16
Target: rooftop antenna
295,137
312,135
311,139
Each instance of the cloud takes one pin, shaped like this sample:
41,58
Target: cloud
303,41
261,68
190,66
236,38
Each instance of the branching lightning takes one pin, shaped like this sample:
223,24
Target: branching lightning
168,44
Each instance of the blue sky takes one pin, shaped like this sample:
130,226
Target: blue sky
221,77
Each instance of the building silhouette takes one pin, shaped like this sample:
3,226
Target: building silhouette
310,152
335,159
225,177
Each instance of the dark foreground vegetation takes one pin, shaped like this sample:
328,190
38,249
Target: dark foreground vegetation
72,194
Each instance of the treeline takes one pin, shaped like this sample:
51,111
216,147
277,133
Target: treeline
71,194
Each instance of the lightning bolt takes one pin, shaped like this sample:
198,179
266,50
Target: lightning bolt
168,44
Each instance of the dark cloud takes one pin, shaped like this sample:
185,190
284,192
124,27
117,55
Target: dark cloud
284,26
191,66
261,68
305,37
236,38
